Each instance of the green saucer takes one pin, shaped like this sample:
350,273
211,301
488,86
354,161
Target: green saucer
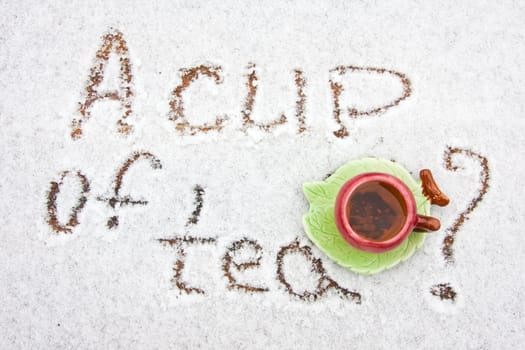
320,226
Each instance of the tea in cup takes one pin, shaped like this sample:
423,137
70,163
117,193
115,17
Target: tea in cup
376,212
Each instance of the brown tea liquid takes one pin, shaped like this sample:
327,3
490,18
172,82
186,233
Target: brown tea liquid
376,211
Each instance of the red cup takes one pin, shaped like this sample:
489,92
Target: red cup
408,221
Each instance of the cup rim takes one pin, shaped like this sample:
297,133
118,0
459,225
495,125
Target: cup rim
358,241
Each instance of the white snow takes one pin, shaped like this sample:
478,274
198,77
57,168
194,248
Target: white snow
114,288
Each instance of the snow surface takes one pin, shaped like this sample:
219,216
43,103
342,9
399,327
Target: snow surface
101,288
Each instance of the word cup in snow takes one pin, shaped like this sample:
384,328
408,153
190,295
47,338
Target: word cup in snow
113,44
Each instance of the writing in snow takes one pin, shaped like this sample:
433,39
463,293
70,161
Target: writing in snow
114,43
234,261
241,255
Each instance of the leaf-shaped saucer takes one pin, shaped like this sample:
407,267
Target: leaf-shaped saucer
319,222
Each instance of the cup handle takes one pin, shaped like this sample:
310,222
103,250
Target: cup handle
427,223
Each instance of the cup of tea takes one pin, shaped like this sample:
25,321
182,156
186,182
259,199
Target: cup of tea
376,212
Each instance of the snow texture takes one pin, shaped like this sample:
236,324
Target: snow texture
105,285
